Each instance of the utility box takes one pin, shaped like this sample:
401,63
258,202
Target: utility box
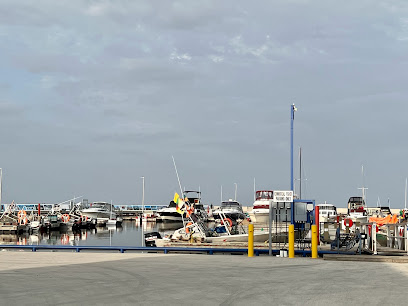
300,212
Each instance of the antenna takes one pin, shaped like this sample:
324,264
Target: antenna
175,167
363,189
221,193
254,191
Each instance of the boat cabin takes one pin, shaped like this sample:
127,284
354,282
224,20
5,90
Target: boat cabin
193,196
327,210
356,205
230,204
264,195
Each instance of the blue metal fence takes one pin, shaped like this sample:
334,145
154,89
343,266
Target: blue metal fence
165,250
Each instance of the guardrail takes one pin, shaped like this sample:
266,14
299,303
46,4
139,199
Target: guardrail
165,250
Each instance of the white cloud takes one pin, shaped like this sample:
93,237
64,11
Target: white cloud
180,56
97,9
216,58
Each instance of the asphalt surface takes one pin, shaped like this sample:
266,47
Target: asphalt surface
64,278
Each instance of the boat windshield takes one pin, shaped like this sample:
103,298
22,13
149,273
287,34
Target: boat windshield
53,217
327,207
230,204
102,205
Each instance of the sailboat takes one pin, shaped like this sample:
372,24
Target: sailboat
113,219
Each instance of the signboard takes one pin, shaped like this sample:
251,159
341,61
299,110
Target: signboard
283,196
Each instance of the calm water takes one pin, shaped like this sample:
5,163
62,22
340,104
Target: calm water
129,234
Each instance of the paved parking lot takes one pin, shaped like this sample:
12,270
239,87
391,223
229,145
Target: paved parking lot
61,278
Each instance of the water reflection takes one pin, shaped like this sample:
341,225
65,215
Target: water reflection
129,234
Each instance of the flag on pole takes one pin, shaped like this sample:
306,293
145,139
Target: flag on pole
179,204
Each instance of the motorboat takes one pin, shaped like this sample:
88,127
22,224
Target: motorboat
356,210
99,210
327,212
151,237
260,209
230,209
169,214
52,222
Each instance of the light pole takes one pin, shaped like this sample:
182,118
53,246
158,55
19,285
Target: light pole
141,220
143,193
236,187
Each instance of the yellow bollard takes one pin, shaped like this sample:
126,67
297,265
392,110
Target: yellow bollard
314,241
250,240
291,241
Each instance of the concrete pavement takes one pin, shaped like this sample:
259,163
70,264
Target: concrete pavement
65,278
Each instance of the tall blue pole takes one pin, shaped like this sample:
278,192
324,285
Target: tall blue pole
292,118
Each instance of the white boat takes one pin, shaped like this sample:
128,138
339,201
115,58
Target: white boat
260,209
34,225
357,211
259,236
327,212
99,210
168,214
231,209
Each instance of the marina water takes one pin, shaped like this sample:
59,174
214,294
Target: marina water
129,234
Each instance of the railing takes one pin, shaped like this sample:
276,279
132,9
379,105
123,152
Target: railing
165,250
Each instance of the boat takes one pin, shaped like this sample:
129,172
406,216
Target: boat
113,219
151,237
98,210
51,222
169,214
356,210
260,209
231,209
327,212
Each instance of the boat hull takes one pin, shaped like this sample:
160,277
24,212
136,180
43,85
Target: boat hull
258,237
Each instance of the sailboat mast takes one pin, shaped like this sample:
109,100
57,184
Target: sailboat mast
406,183
300,172
178,178
254,190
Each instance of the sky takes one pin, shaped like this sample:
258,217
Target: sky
96,94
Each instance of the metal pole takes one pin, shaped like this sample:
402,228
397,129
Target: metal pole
143,193
236,187
317,222
1,183
292,118
270,228
141,220
254,191
178,178
250,240
314,241
406,183
291,241
300,172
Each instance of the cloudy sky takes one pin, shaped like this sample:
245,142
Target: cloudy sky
96,94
